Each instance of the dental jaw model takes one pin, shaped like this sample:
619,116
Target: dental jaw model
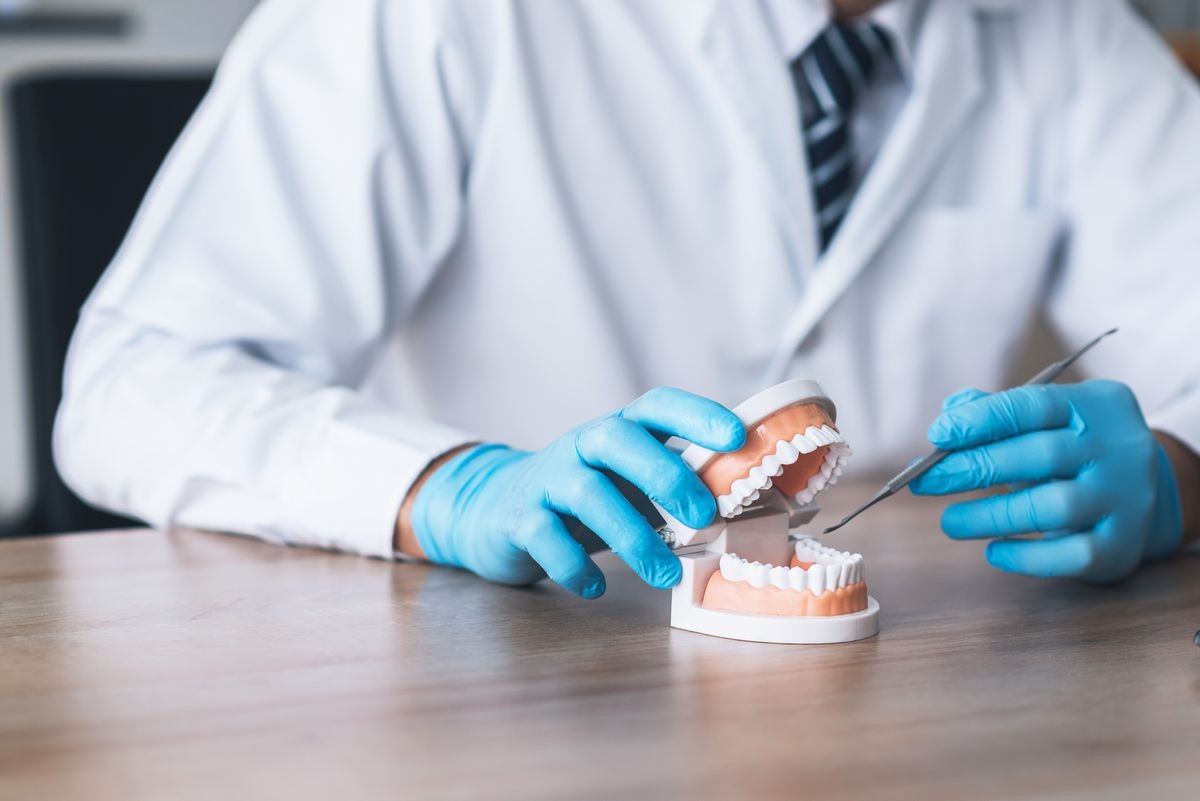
748,575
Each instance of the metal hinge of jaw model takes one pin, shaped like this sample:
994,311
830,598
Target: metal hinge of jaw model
759,521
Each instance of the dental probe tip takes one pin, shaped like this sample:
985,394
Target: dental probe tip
1096,341
1196,639
844,521
886,492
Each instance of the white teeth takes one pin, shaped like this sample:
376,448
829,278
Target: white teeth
728,507
827,476
797,578
779,577
803,444
830,570
741,488
771,466
748,489
809,549
816,579
849,565
817,436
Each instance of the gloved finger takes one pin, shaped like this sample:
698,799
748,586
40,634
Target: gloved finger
544,536
593,499
1000,416
1045,507
628,450
962,396
1067,556
681,414
1038,456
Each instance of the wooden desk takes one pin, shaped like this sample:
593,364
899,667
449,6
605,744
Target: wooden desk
188,665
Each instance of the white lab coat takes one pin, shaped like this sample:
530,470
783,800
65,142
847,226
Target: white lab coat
395,227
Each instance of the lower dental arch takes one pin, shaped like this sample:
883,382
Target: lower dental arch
819,581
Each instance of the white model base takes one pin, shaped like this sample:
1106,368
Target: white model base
777,628
761,534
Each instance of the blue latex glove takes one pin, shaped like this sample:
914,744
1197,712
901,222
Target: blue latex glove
499,512
1103,492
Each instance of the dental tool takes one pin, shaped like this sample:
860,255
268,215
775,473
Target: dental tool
1047,375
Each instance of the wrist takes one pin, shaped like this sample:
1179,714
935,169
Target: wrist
405,539
447,494
1184,471
1166,526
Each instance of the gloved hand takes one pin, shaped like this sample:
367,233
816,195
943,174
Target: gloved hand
1103,493
499,512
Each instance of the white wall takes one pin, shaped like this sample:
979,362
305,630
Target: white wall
180,33
176,25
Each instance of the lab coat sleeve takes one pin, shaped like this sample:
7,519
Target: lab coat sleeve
213,380
1132,151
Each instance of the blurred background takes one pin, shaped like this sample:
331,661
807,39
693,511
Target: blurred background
92,94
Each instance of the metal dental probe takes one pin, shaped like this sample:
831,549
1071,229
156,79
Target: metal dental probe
1047,376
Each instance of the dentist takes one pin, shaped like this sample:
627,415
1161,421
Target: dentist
397,235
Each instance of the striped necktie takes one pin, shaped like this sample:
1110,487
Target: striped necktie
830,76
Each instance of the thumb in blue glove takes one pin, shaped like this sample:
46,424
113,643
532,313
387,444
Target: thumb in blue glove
503,513
1103,493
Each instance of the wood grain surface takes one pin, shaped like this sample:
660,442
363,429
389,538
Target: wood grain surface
143,665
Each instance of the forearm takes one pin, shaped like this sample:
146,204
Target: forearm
1186,465
208,436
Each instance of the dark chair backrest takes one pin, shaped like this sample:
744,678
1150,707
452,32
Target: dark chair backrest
86,147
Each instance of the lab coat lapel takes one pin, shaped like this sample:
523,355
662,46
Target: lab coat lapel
947,84
747,66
